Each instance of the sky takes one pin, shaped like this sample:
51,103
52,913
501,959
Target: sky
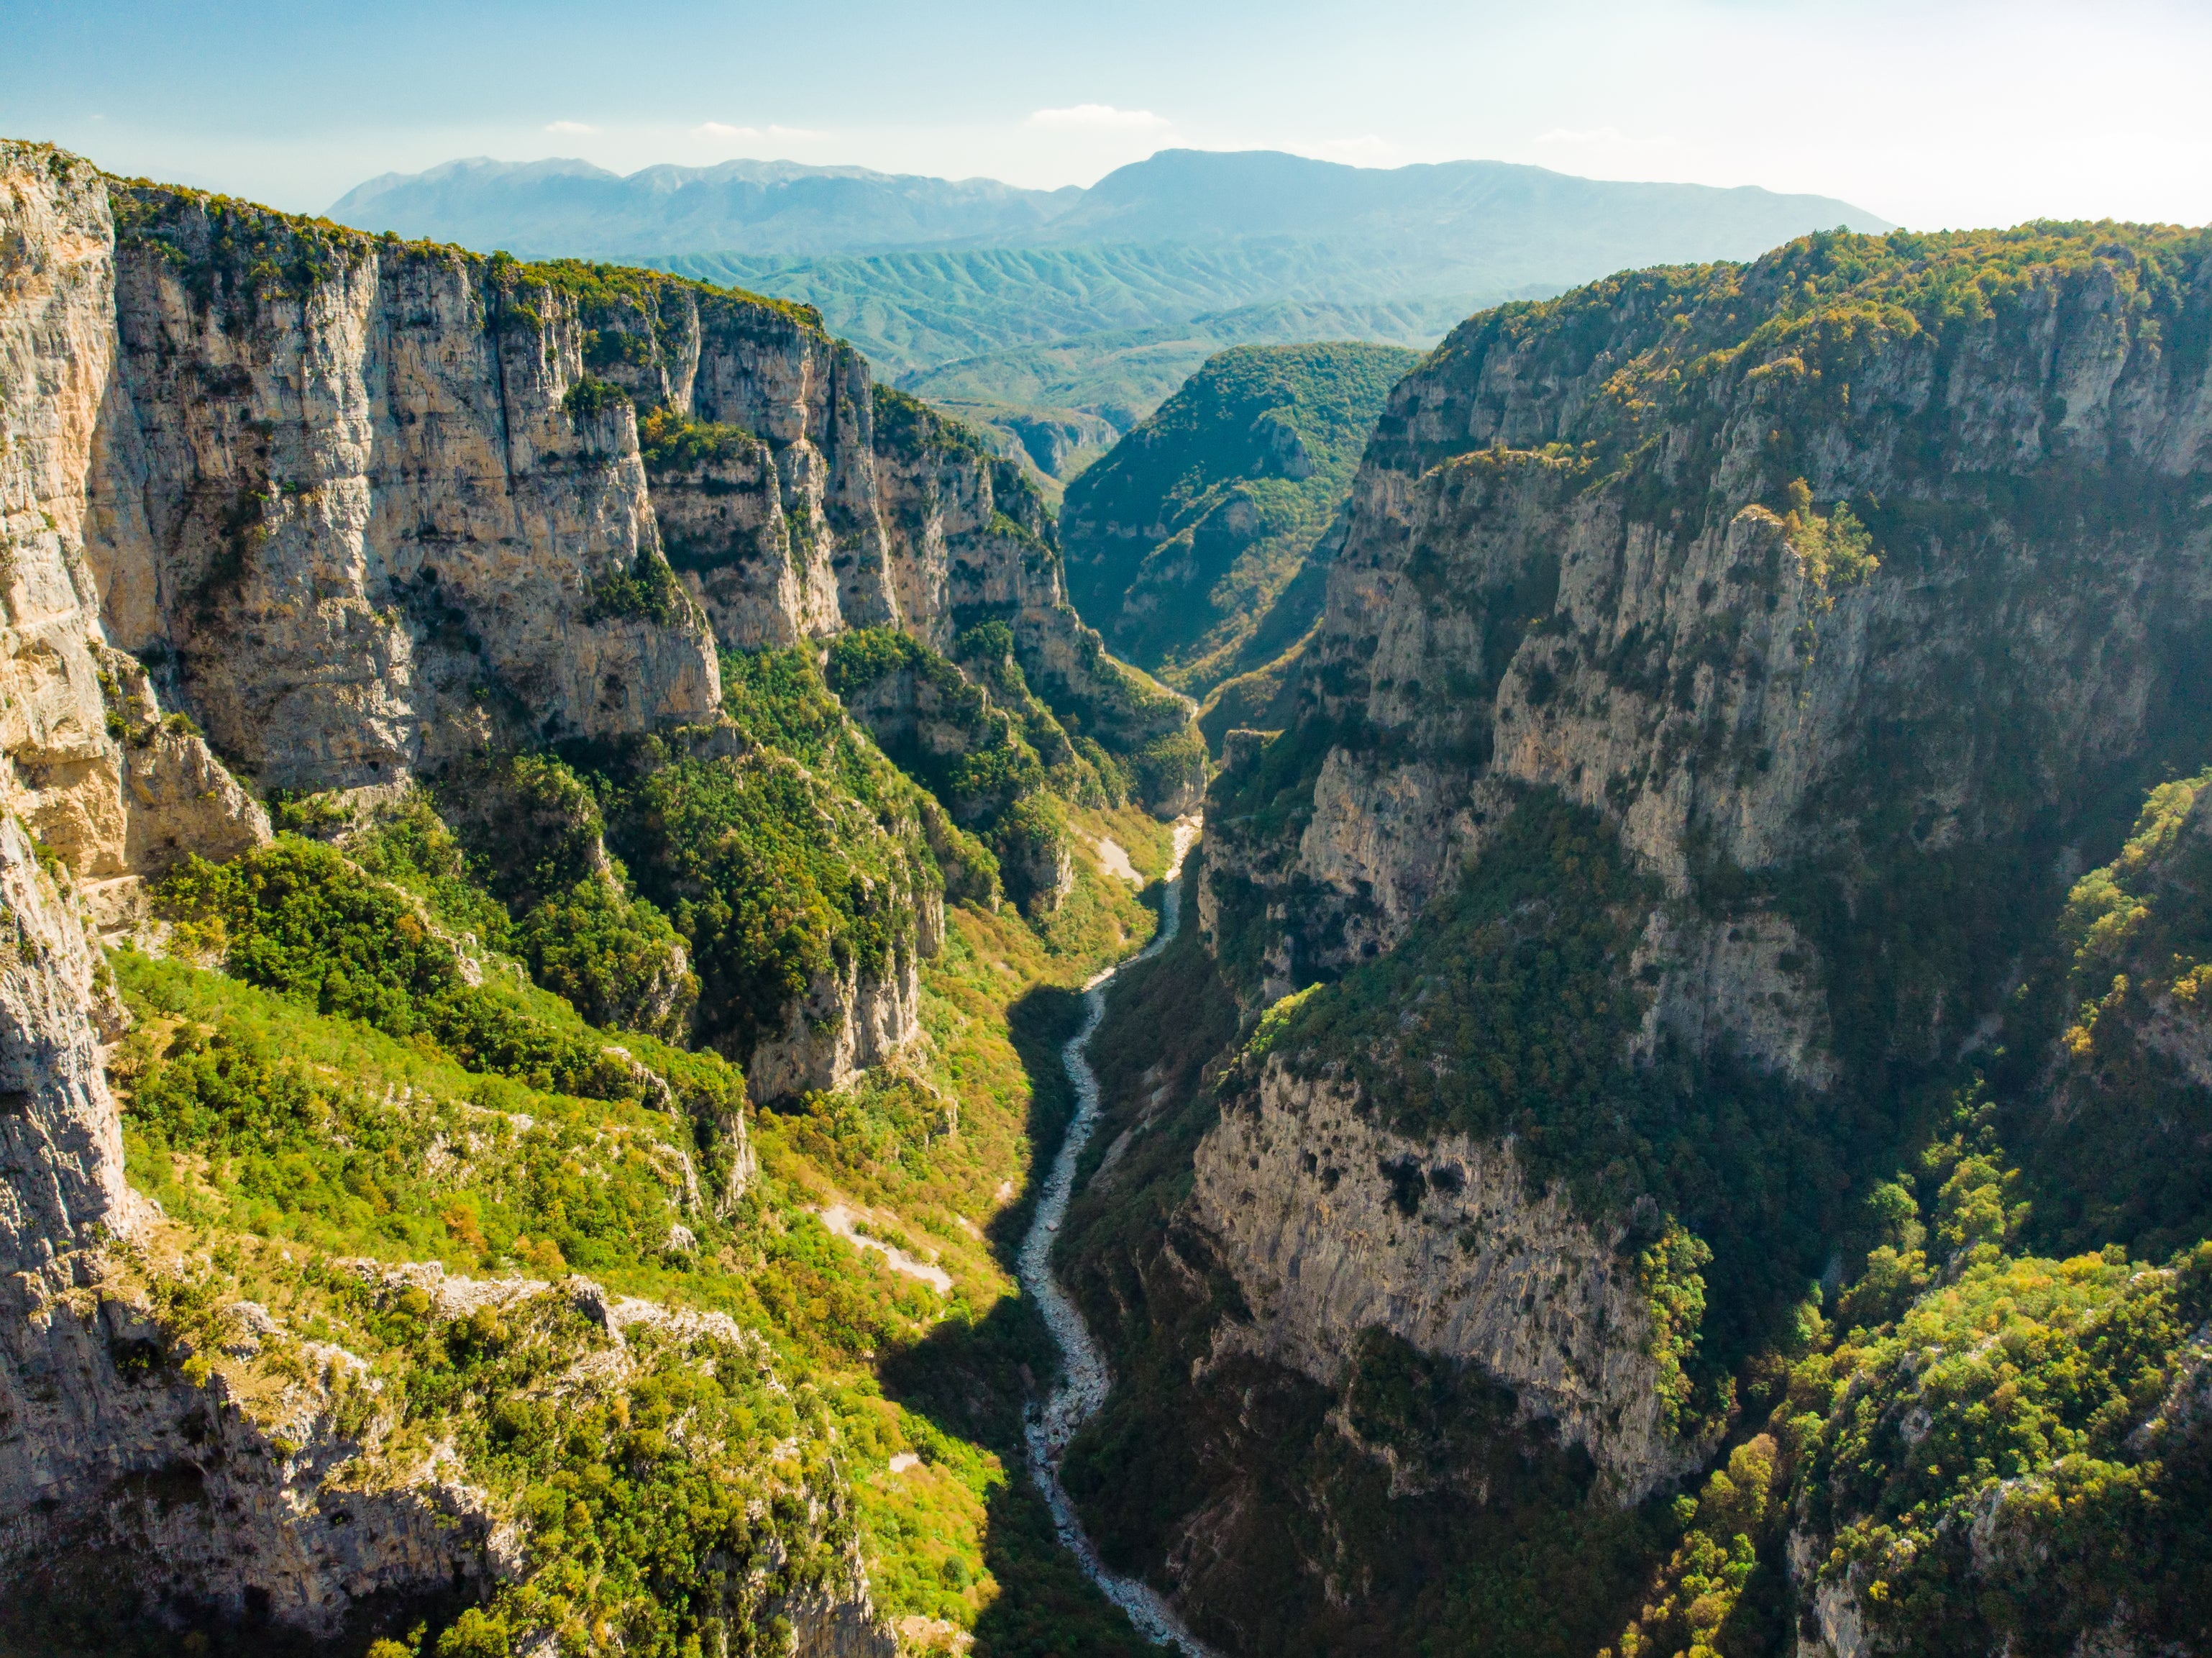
1933,115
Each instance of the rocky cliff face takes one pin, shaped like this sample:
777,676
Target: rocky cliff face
1574,563
64,1146
1854,596
92,766
972,528
359,510
363,508
848,1020
1332,1226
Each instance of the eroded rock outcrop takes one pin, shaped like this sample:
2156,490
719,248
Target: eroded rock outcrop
64,1189
1333,1226
847,1021
91,764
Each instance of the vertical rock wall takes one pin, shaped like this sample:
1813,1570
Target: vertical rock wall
1604,547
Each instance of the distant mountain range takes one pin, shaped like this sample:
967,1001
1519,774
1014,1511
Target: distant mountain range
550,209
1489,222
1076,306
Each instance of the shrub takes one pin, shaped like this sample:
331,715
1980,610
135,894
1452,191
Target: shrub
648,592
669,442
615,958
588,399
297,917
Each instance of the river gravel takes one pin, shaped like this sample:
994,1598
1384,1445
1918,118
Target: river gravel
1084,1380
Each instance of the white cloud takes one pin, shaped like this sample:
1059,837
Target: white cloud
1099,118
568,126
723,129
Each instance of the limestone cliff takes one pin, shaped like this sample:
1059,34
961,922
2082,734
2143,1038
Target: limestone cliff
91,764
359,510
1724,675
974,530
64,1189
1333,1226
1575,562
363,509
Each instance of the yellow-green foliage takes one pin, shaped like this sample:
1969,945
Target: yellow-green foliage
2118,917
1669,1272
2127,997
243,1111
1984,1440
265,1125
670,443
1835,552
804,854
1702,1582
667,1488
2012,1402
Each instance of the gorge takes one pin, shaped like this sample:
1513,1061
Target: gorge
605,1049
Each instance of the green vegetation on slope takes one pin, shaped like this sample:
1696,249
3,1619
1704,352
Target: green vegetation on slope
1996,1448
992,753
295,916
342,1092
2121,1158
1186,544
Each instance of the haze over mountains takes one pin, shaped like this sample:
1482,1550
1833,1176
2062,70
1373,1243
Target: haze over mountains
1060,318
1510,223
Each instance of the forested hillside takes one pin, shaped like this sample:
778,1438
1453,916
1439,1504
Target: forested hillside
1194,544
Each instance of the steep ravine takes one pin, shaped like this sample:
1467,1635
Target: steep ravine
554,552
1083,1387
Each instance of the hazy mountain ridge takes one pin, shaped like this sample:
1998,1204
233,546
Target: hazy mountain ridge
939,281
1176,196
570,207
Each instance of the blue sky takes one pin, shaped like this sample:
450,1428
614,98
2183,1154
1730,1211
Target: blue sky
1930,113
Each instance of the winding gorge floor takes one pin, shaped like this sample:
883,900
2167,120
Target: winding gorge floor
1084,1384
